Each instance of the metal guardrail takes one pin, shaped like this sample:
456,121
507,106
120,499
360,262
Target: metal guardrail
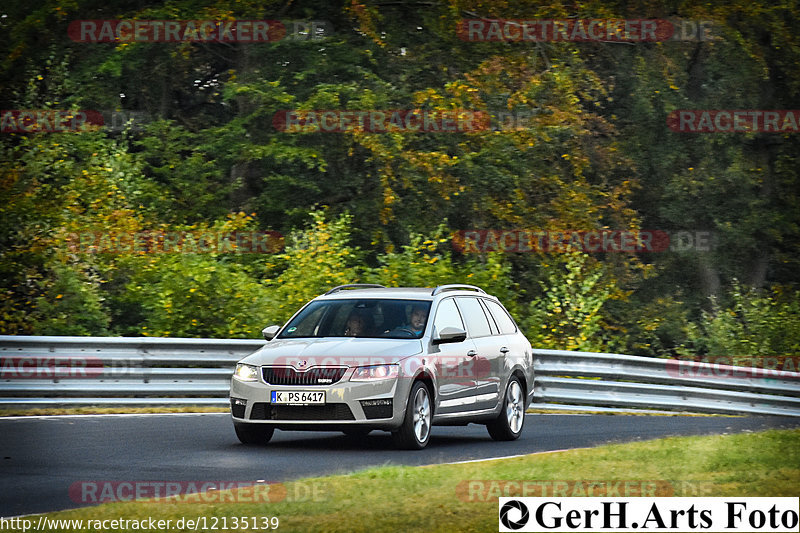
111,371
613,380
147,371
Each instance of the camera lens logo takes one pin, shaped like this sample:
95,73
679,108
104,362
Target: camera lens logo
523,514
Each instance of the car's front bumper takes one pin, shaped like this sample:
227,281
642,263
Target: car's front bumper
348,404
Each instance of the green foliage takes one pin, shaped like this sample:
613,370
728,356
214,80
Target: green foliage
755,324
187,294
595,154
426,262
653,328
320,257
71,304
316,259
569,315
54,189
194,295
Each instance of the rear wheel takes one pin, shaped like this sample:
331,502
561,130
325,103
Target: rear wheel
415,432
253,434
508,425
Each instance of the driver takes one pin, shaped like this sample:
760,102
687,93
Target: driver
414,327
418,316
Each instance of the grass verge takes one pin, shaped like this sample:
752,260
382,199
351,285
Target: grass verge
534,410
439,498
53,411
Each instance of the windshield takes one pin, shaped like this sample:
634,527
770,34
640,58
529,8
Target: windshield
370,318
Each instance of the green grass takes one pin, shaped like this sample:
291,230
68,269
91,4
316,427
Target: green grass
589,411
395,498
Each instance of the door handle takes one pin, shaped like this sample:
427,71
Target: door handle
504,350
472,353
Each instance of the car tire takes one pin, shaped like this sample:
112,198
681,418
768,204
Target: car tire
253,434
415,432
508,424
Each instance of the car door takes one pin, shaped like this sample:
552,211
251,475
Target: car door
487,361
511,345
453,362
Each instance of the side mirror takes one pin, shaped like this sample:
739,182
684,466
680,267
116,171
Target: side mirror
450,334
269,332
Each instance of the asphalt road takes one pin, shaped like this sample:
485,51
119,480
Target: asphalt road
43,457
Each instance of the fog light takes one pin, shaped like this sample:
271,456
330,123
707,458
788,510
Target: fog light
238,407
377,408
374,403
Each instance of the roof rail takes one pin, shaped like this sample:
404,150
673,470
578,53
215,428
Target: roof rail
355,286
456,287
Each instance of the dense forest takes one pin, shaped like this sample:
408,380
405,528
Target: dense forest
105,134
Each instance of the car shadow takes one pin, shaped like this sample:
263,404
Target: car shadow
374,441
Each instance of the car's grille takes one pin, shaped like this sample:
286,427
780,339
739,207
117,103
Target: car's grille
329,411
286,375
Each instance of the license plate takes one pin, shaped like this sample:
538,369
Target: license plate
298,397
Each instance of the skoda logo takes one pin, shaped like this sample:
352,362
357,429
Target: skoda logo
523,514
302,364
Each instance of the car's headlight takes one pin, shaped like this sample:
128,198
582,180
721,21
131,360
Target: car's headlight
246,372
366,373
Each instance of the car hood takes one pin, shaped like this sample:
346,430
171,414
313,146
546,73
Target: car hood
332,351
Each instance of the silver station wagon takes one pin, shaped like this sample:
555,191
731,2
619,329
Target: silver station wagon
366,357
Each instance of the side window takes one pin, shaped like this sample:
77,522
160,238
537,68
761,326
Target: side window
492,323
447,315
504,322
477,325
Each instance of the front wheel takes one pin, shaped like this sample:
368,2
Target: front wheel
253,434
415,432
508,425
